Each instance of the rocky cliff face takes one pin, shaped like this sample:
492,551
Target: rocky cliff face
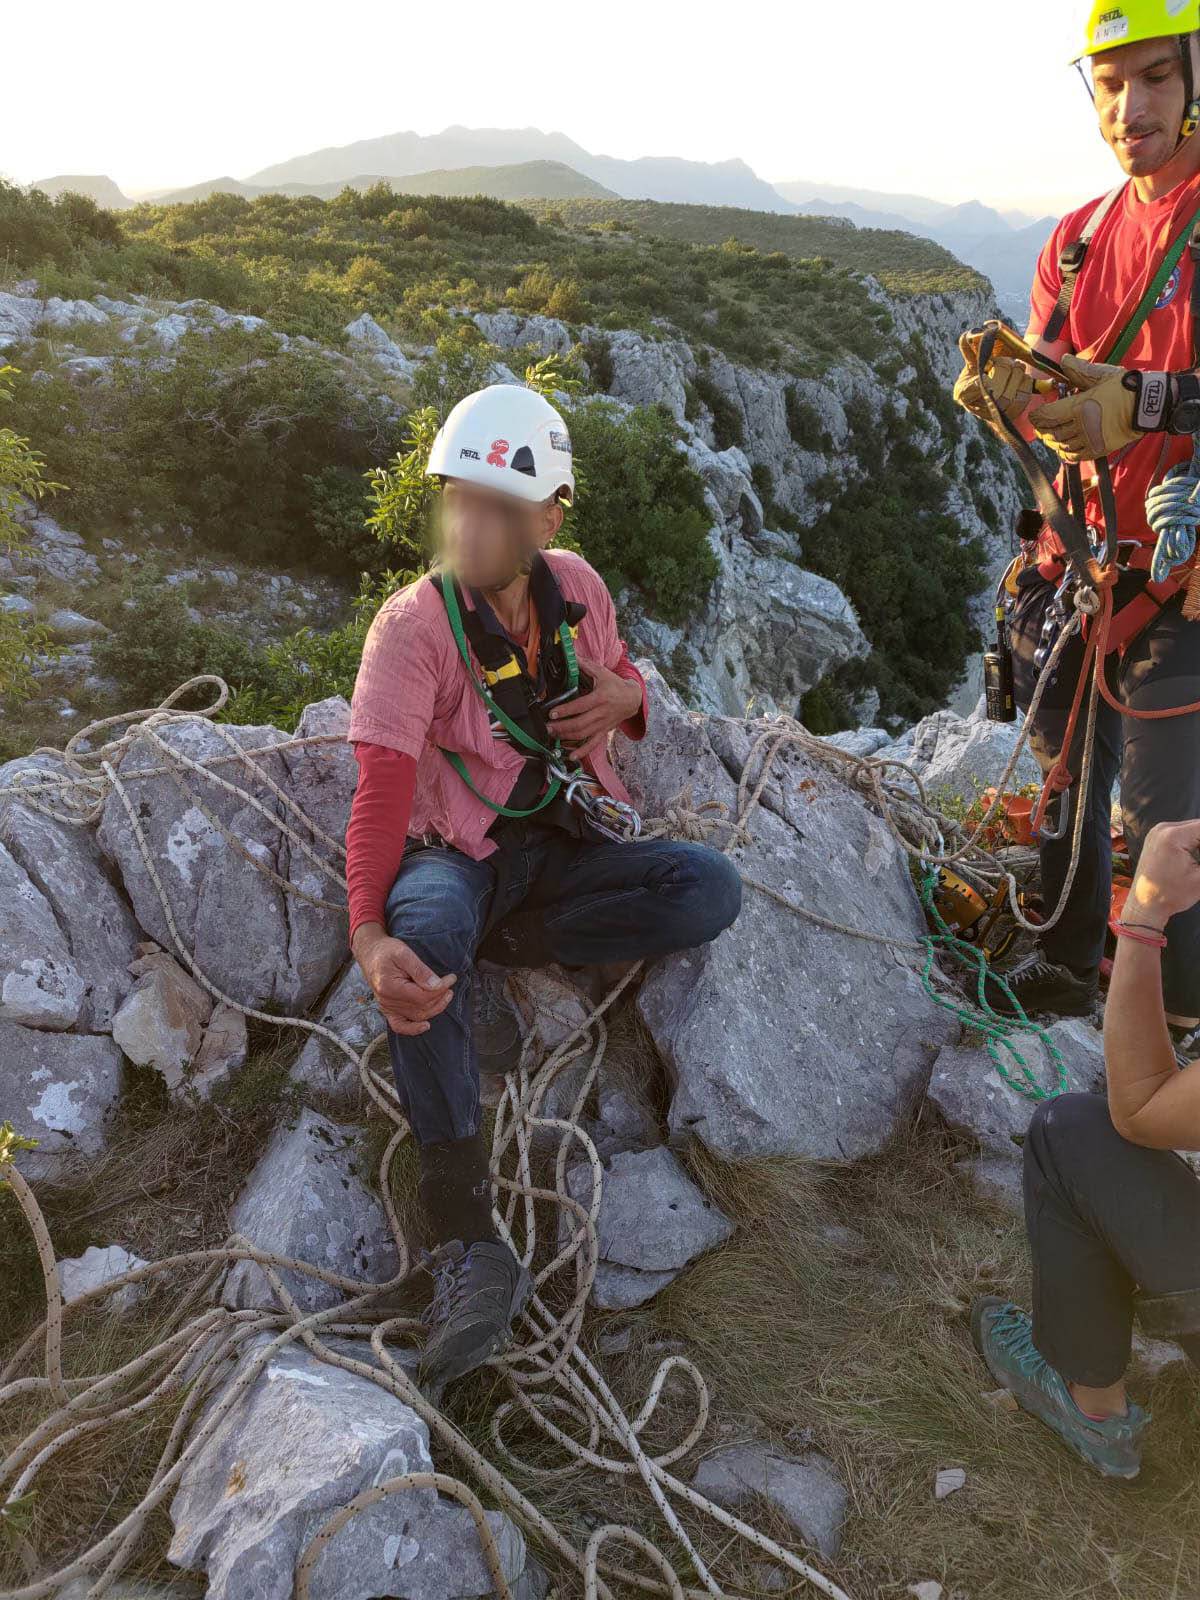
775,452
772,630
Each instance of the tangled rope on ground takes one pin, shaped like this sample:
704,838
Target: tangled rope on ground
204,1356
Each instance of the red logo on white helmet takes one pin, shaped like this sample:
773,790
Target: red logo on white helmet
497,452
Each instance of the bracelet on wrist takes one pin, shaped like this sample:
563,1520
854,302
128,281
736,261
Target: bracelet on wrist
1139,933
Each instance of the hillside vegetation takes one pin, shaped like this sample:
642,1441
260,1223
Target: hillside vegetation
309,264
903,263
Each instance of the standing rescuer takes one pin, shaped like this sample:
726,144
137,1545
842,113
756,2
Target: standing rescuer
488,819
1116,301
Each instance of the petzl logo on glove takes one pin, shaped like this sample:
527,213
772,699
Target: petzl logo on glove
497,453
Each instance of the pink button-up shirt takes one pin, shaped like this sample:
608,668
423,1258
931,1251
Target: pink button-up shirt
413,695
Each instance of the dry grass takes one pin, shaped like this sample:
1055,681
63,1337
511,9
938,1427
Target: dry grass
836,1316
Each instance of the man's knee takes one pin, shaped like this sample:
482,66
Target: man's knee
710,889
438,915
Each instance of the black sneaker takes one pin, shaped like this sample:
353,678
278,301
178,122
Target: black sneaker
478,1294
1044,986
496,1026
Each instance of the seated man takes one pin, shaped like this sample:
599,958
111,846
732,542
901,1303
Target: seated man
1113,1214
488,820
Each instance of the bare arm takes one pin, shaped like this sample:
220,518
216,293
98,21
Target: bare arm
1152,1103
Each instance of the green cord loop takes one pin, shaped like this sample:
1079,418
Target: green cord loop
998,1031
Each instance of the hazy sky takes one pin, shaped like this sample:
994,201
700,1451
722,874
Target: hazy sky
953,98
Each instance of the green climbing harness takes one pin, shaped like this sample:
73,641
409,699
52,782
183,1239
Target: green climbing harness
517,713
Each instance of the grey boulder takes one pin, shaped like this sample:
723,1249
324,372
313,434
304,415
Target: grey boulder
305,1200
349,1011
957,757
972,1098
40,986
805,1490
60,1089
653,1220
782,1038
305,1439
260,945
66,866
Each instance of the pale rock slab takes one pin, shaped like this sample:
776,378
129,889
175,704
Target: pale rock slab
805,1489
305,1200
306,1438
58,1088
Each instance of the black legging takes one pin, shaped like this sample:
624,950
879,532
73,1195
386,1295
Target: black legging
1159,767
1106,1218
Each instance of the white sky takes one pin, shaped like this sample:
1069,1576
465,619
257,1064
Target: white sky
957,99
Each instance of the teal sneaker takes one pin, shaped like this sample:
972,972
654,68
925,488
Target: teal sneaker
1003,1335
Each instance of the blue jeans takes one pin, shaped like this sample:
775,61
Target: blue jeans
542,897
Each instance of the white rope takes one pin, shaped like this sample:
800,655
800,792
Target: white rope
548,1371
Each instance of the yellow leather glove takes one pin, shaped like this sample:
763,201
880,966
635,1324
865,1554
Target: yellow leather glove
1115,406
1009,383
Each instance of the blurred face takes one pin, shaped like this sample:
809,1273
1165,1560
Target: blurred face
488,539
1139,94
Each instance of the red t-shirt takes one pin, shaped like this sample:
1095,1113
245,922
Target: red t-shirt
1123,256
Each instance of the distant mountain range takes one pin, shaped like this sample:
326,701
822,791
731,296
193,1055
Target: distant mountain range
102,190
527,164
527,180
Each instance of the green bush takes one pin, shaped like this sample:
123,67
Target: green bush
226,438
22,477
639,515
805,424
909,572
728,427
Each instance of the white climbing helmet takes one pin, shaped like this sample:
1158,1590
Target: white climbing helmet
508,438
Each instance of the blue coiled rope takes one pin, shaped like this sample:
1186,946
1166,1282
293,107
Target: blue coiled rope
1173,512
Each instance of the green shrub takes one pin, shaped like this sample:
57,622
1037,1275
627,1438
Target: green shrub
639,514
805,424
226,438
728,427
22,477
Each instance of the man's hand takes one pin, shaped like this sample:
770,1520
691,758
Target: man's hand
409,994
585,723
1010,383
1168,874
1104,416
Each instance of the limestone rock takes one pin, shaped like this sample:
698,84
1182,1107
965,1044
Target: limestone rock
58,313
365,333
995,1179
653,1220
351,1012
97,1266
222,1051
948,1481
305,1439
510,331
262,947
161,1021
648,372
60,1089
958,757
73,625
68,869
782,1038
17,605
305,1200
19,316
805,1490
40,986
971,1096
51,550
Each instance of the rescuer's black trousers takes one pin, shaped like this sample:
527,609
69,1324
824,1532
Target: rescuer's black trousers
1113,1229
1158,764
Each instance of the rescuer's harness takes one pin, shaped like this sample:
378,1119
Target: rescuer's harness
519,694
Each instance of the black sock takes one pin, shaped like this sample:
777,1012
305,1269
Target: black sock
456,1191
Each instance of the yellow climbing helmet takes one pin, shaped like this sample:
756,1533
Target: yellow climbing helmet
1132,21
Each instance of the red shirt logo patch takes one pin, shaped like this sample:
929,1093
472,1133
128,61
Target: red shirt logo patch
497,452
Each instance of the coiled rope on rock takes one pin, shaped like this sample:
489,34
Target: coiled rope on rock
204,1356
